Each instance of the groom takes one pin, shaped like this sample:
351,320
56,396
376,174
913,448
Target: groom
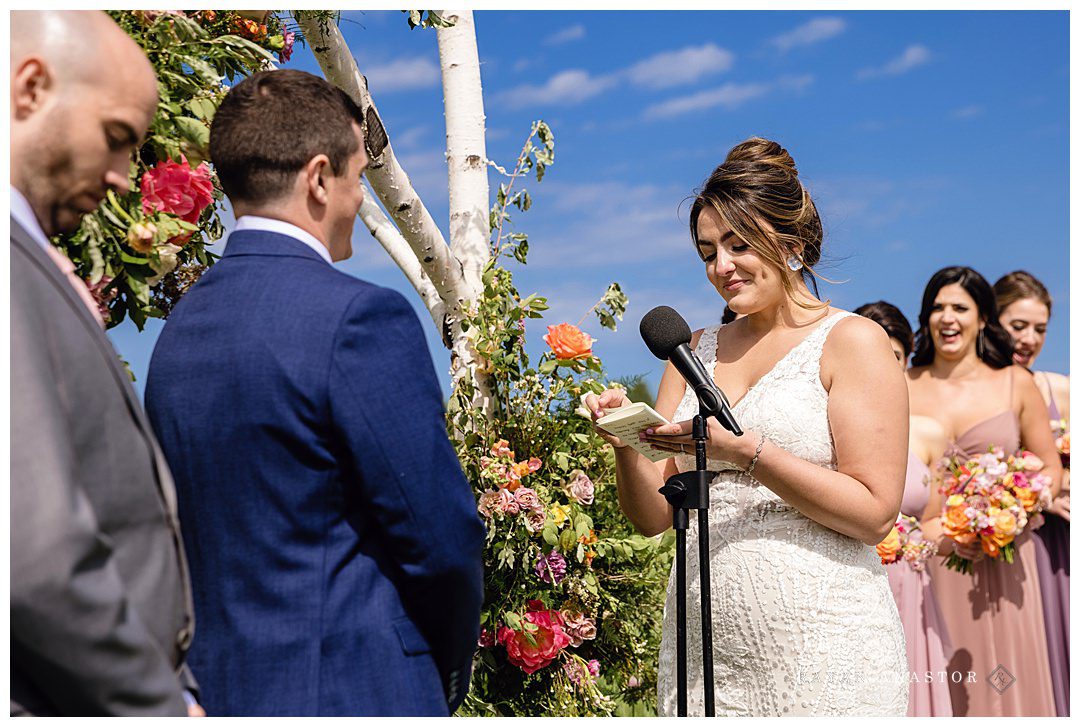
333,540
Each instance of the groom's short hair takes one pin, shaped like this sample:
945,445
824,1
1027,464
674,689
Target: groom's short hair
273,123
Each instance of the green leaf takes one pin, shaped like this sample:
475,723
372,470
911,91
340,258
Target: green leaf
546,367
567,540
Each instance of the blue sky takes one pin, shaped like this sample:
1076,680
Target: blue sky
926,138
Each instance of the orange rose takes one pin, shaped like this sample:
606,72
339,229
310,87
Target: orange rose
1027,498
990,547
955,523
1001,539
888,548
568,342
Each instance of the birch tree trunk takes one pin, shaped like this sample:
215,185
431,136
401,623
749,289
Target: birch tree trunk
466,155
447,277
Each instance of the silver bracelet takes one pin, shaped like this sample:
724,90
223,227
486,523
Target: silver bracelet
753,462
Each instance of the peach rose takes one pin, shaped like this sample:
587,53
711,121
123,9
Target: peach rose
1005,523
888,548
568,341
990,547
955,523
1028,499
141,237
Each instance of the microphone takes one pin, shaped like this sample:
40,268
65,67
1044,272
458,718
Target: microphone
668,337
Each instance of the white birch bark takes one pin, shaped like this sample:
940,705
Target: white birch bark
384,231
389,181
466,156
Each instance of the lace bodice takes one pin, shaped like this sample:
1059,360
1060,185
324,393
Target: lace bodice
803,618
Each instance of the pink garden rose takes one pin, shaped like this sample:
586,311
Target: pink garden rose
176,188
578,627
527,499
580,487
546,642
507,504
487,503
534,520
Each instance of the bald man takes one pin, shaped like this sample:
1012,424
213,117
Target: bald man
101,612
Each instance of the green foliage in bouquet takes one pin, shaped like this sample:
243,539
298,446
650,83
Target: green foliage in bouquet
139,252
574,597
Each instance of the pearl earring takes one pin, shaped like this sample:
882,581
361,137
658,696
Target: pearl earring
794,263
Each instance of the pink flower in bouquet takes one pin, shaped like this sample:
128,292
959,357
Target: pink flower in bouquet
534,520
487,639
1031,462
579,627
594,667
633,682
102,298
507,504
539,648
551,568
527,499
286,51
577,672
488,503
502,449
176,188
579,487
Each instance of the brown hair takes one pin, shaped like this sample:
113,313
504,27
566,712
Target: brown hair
889,317
1018,285
273,123
757,188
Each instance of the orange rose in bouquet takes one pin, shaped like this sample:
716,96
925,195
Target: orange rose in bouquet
568,342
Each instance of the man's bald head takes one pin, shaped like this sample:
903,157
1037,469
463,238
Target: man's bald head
80,46
82,95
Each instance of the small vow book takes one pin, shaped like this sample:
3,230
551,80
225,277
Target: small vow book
628,421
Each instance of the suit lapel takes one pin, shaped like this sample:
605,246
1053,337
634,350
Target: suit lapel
55,276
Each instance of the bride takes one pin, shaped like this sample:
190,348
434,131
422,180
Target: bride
803,619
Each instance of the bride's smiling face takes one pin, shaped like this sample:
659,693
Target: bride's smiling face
745,281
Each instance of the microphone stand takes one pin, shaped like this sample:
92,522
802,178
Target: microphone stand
684,492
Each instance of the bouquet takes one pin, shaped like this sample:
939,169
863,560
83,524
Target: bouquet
905,543
990,500
1060,428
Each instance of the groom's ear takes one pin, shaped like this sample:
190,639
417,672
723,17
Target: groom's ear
316,174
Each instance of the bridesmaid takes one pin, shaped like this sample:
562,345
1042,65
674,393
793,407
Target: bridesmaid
1024,307
928,648
962,376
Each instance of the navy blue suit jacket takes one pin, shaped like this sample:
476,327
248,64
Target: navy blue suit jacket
334,543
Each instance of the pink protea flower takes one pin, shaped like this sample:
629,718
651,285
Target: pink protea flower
176,188
551,568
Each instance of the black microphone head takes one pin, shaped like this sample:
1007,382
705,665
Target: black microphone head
664,330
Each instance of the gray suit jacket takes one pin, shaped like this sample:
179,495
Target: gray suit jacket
101,613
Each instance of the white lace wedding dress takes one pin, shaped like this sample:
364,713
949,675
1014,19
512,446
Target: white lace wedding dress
804,622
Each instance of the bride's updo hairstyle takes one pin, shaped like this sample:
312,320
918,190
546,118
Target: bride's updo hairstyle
758,195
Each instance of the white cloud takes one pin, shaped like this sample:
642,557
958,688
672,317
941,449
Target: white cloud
680,67
566,35
402,74
563,89
728,96
815,31
966,112
410,138
912,57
